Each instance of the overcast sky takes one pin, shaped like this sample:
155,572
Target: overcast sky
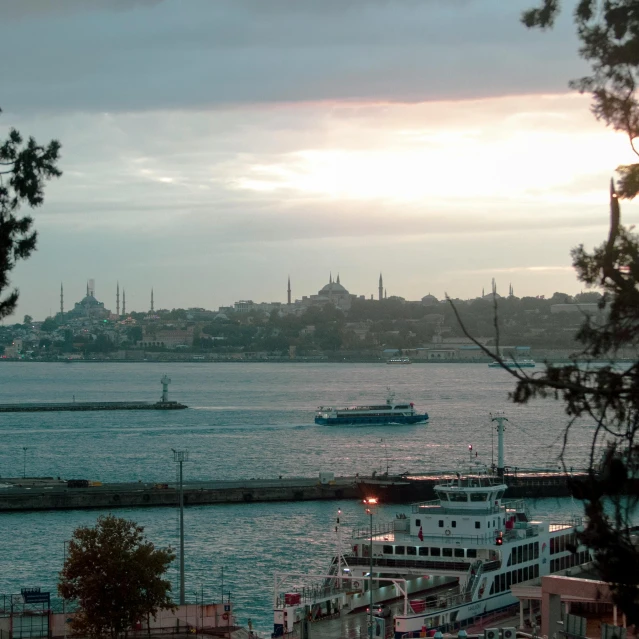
212,148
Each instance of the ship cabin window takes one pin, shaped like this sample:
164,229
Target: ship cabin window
520,553
435,552
447,552
411,550
441,523
471,553
459,552
387,550
478,524
441,495
526,552
400,550
478,496
418,522
499,495
457,497
423,551
453,524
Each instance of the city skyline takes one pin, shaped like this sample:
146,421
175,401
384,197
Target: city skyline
212,152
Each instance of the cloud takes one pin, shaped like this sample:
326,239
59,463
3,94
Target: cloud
159,55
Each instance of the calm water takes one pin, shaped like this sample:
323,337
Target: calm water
248,420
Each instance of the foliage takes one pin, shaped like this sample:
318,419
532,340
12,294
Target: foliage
24,169
609,34
49,325
116,576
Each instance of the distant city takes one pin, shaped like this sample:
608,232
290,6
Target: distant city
332,324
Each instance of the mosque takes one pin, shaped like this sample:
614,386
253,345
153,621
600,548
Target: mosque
88,307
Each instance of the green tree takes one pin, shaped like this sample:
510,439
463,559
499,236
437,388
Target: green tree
116,576
24,169
49,325
27,320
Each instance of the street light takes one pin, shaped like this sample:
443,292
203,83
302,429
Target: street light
179,457
370,503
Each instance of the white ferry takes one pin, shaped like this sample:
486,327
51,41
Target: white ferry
399,360
391,412
451,560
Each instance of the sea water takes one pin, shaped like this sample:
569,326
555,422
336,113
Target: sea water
250,421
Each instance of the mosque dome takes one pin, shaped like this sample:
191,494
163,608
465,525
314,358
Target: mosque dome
429,299
333,288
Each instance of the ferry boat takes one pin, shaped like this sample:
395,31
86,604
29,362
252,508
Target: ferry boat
391,412
452,559
519,363
399,360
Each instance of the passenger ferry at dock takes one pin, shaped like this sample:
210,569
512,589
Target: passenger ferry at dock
510,363
452,559
391,412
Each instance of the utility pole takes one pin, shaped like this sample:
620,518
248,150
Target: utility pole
179,457
370,503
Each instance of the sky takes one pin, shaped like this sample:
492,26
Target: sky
212,149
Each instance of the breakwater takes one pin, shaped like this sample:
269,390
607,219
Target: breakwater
50,494
88,406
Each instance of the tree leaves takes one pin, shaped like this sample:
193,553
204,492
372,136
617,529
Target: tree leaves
24,169
116,576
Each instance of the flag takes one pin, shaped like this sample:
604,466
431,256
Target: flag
420,534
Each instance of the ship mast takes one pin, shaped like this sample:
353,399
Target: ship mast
500,419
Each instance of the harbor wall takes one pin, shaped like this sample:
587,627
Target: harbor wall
110,496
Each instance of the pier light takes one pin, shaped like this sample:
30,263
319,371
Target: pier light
371,501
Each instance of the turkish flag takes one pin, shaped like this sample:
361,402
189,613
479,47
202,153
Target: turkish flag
420,534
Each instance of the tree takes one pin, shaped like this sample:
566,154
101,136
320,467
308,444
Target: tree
27,320
49,325
24,169
609,34
116,576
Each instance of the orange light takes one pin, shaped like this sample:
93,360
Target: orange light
370,501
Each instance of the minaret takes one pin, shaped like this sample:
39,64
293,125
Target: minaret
117,299
288,290
338,278
123,302
87,288
152,309
385,295
61,299
330,278
380,290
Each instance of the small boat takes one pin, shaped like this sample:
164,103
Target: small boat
399,360
517,363
391,412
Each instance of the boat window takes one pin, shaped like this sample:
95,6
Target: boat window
418,522
478,524
454,524
457,497
478,496
525,552
441,495
387,550
441,523
471,553
502,582
411,550
519,575
508,579
423,551
536,571
447,552
435,552
526,573
536,550
513,556
400,550
499,495
520,555
459,552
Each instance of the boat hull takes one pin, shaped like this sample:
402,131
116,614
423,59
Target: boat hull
372,420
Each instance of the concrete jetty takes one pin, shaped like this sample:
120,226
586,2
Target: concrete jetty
86,406
38,407
53,494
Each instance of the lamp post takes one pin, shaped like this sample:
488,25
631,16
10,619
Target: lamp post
179,457
370,502
24,461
